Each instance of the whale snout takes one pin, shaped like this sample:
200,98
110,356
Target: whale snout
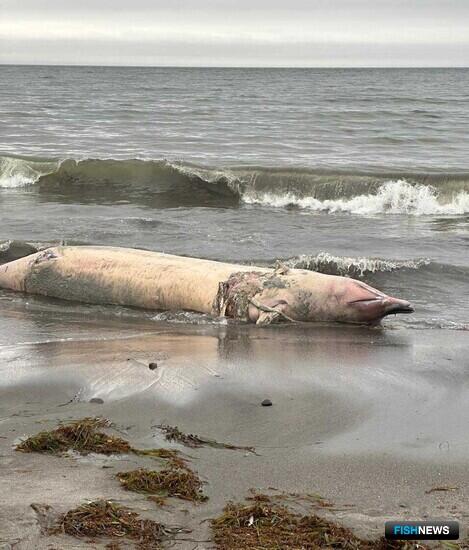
374,309
369,305
395,305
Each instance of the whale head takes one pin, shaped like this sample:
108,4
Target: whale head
310,296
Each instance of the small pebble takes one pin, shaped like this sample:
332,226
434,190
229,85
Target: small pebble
266,403
96,400
153,366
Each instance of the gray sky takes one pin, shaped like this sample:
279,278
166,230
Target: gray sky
236,32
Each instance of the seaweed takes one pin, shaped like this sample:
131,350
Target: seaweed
173,433
102,518
81,436
158,500
440,489
312,499
172,481
170,455
265,525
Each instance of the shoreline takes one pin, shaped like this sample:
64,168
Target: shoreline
365,418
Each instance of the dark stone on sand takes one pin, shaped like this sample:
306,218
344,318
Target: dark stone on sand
153,366
266,403
96,400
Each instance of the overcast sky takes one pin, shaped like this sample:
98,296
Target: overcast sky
236,32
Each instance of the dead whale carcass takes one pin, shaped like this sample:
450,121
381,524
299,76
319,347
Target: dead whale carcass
151,280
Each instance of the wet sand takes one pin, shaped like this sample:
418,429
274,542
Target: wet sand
369,419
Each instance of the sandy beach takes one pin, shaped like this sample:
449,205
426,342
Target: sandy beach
370,419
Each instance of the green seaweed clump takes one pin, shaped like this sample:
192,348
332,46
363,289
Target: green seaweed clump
172,481
170,455
81,436
173,433
102,518
264,525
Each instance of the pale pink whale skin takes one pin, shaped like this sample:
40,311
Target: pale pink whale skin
151,280
315,296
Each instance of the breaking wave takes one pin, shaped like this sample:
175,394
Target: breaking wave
158,184
350,266
164,184
393,197
19,172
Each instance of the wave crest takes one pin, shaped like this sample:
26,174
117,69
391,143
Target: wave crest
160,183
393,197
350,266
19,172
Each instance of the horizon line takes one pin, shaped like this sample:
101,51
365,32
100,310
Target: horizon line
7,64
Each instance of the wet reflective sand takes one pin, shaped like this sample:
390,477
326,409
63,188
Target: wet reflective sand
368,418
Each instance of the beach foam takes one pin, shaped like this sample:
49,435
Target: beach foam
344,265
393,197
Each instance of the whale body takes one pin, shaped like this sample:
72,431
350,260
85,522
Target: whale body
156,281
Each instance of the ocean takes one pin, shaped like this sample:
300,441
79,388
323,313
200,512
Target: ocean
358,172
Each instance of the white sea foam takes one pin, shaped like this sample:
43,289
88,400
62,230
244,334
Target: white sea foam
344,265
17,172
189,317
393,197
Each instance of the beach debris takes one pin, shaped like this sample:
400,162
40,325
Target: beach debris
81,436
264,524
171,455
171,481
97,400
153,365
266,403
74,399
441,488
158,500
173,433
313,499
103,518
